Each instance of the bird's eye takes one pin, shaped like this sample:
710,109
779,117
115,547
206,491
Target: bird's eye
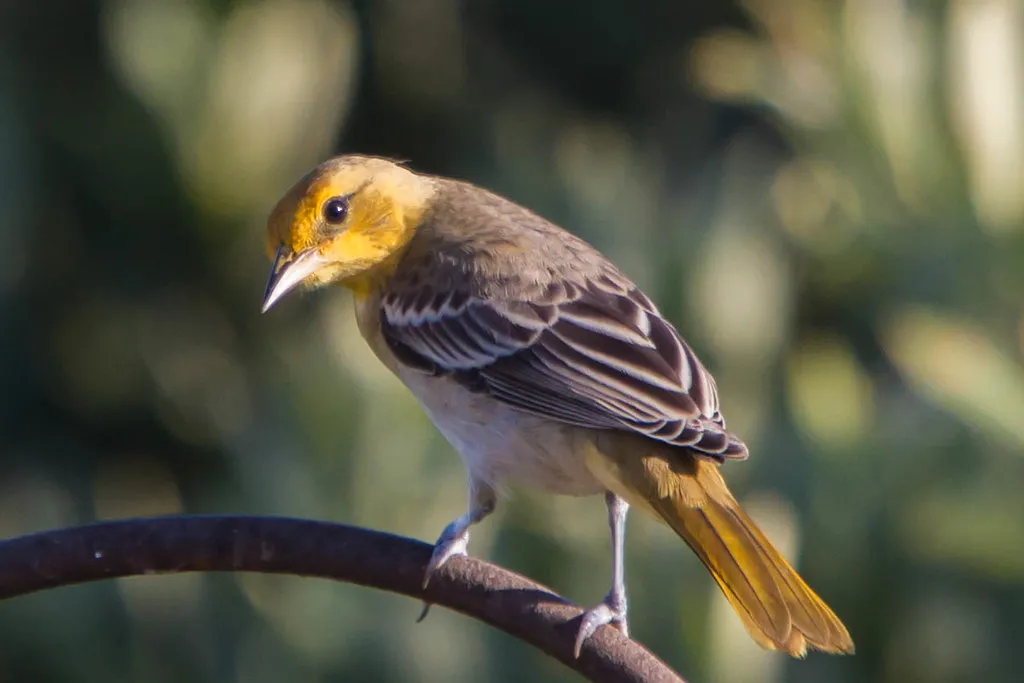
335,210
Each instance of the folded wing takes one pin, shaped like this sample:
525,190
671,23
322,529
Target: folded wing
594,353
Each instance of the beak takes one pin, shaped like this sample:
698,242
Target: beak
288,272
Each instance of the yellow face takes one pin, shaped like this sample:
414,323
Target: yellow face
345,222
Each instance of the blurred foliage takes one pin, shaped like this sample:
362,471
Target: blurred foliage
827,197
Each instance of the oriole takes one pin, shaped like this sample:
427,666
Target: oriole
544,366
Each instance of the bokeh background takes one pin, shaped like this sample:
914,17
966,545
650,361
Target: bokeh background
827,197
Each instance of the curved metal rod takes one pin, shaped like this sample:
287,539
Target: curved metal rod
277,545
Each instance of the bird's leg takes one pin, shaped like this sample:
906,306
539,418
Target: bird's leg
613,609
455,537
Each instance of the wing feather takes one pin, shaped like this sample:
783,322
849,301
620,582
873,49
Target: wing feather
594,354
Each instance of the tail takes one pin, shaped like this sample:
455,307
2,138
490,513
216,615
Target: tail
779,610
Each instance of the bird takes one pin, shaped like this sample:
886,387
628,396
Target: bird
545,367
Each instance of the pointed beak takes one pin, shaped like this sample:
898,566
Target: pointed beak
288,272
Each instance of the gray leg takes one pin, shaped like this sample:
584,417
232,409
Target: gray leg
613,609
455,537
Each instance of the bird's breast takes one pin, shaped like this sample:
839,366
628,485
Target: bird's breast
498,444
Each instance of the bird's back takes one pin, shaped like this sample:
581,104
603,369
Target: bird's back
492,248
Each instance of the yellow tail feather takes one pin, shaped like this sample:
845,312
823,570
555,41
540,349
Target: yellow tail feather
779,610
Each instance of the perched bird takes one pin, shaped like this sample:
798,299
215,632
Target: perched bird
545,367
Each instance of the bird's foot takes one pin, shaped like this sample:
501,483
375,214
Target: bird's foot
611,611
452,541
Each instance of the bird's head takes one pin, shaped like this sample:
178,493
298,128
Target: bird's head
345,222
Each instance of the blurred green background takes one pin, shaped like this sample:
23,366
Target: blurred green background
826,197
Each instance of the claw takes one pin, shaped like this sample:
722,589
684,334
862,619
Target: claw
423,614
452,541
595,618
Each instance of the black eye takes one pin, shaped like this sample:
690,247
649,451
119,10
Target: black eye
335,210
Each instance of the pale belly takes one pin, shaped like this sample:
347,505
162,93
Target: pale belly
502,446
